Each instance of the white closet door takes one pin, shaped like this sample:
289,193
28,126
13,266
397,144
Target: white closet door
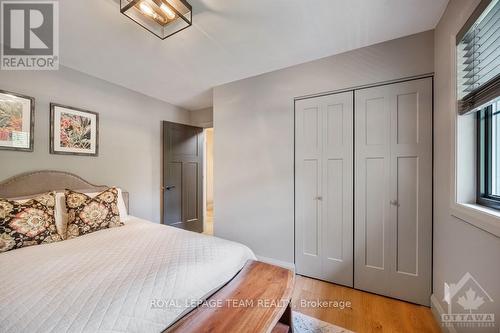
324,185
393,189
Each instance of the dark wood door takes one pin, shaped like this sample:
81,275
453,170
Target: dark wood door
183,176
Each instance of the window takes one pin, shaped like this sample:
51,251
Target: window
475,191
478,88
488,148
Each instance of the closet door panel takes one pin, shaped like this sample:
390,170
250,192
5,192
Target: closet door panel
407,114
375,206
334,210
411,190
338,192
407,218
311,214
372,172
308,169
399,201
323,205
376,121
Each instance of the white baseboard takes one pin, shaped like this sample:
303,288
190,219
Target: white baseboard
284,264
437,311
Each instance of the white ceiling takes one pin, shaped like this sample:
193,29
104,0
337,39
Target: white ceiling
229,40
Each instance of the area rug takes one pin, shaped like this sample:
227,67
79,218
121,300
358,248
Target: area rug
305,324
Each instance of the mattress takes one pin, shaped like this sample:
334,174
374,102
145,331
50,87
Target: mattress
141,277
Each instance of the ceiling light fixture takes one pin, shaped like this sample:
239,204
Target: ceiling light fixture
169,12
161,17
146,9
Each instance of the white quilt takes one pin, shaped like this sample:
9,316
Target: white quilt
140,277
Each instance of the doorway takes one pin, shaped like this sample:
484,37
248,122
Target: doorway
209,182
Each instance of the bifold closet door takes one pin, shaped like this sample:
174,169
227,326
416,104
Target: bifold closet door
324,187
393,190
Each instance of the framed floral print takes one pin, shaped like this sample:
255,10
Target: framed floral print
73,131
17,121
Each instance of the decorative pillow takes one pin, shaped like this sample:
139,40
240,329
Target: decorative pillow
121,203
27,223
59,212
88,214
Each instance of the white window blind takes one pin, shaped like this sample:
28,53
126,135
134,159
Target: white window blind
478,58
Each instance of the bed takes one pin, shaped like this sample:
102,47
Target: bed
142,277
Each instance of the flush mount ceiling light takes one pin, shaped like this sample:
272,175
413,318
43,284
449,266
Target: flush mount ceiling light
161,17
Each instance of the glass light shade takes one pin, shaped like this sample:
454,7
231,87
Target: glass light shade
161,17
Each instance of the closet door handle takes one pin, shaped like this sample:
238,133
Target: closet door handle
318,198
395,203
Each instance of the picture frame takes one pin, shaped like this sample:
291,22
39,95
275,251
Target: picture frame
73,131
17,121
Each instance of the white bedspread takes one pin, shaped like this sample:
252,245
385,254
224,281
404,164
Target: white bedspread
108,281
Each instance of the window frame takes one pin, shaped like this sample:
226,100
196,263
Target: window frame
484,195
463,173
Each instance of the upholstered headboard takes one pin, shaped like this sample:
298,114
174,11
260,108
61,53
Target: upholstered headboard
36,182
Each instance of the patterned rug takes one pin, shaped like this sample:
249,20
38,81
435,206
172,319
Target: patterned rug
305,324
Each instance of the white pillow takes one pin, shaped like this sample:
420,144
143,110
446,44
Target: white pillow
61,214
121,206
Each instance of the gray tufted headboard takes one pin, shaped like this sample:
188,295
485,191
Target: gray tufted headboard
36,182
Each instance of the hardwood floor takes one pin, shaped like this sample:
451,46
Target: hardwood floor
368,312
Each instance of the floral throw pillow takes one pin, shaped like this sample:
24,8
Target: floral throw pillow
27,223
86,214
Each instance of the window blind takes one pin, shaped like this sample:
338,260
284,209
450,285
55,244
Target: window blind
478,58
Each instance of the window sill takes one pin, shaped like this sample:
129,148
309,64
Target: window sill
482,217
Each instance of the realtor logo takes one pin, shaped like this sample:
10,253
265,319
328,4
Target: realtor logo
30,35
465,300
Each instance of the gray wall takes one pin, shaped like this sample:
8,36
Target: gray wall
202,118
458,246
130,133
254,137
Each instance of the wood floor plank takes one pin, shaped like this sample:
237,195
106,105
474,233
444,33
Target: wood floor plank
368,312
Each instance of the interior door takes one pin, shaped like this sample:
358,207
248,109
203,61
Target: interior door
393,190
324,187
183,176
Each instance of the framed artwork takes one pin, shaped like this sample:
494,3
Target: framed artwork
73,131
17,121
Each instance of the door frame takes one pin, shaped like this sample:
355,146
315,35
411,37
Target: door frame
162,174
354,89
205,174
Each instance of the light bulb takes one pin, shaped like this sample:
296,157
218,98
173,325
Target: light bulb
146,9
169,12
